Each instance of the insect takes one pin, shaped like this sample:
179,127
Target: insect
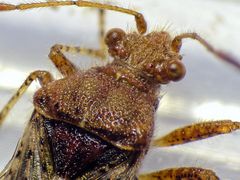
98,124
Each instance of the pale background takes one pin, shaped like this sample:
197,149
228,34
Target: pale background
210,89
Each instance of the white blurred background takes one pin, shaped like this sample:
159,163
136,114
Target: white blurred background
210,90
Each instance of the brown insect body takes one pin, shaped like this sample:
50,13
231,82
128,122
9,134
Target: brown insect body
98,124
103,102
113,106
110,101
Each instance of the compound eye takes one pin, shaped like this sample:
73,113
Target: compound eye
114,41
114,36
150,68
175,70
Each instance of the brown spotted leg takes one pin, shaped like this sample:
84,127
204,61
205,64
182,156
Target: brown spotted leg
65,66
43,77
177,43
196,132
188,134
183,173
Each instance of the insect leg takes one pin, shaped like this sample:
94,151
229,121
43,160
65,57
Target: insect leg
177,43
64,65
197,132
102,30
140,21
44,78
60,61
180,173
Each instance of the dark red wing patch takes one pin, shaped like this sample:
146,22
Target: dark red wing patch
72,148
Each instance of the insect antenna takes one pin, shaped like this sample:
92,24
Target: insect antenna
177,43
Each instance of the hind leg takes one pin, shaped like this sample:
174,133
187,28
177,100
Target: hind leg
182,173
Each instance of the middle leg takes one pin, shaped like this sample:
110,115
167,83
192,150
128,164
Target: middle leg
64,65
